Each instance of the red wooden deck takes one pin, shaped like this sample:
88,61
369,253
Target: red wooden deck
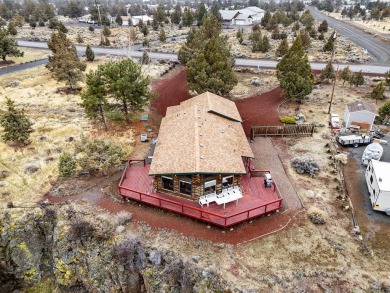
257,200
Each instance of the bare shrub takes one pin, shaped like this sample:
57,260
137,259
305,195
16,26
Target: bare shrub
130,253
173,272
80,229
123,218
316,216
32,168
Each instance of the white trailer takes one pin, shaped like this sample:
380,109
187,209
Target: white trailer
378,182
353,140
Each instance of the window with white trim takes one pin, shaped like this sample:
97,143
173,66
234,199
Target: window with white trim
167,183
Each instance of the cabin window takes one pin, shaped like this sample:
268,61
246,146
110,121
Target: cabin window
167,183
210,186
185,187
227,181
371,179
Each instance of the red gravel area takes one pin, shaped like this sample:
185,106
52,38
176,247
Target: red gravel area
260,110
256,110
170,91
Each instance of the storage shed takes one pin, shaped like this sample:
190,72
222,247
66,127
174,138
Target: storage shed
360,114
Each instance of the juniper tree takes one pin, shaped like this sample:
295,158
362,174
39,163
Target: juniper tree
294,72
210,70
162,36
64,63
257,40
145,58
378,91
266,18
384,111
67,166
323,28
345,74
328,72
16,125
89,54
387,77
305,38
282,49
329,46
357,79
265,45
8,46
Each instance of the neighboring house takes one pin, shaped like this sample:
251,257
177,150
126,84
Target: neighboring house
125,20
85,18
360,114
136,19
243,19
255,12
201,148
245,16
378,182
228,16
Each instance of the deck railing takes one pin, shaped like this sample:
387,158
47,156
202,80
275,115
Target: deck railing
193,212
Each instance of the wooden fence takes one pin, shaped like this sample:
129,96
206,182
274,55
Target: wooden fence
282,130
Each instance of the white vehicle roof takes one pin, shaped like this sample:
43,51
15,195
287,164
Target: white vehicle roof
382,173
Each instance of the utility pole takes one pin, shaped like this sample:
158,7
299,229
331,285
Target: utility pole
100,22
335,76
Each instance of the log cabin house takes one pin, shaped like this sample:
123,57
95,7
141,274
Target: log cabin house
201,148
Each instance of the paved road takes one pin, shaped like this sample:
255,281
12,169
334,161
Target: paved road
135,53
377,48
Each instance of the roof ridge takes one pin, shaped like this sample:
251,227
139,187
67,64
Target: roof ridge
196,133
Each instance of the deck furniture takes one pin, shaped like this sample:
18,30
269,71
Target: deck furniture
207,198
228,195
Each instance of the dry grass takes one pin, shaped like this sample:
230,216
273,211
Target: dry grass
29,55
56,117
379,26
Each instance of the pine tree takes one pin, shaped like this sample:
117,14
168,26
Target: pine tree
345,74
8,46
210,70
201,13
94,98
162,36
67,166
188,17
16,126
294,72
328,72
89,54
282,49
125,83
64,63
378,91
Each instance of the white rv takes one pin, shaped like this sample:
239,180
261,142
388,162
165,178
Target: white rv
378,182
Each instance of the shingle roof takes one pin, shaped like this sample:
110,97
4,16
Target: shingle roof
201,135
361,106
